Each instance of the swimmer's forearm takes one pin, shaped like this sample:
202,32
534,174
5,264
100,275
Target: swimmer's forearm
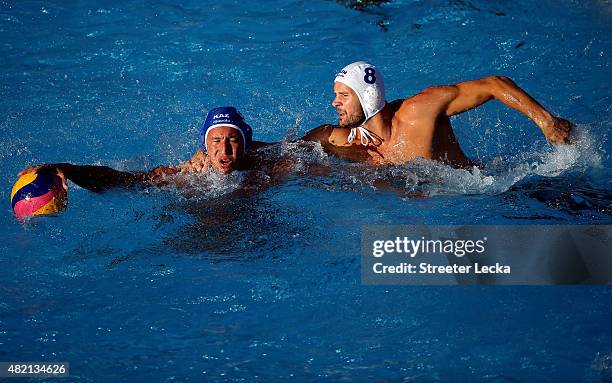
471,94
100,178
506,91
157,175
556,130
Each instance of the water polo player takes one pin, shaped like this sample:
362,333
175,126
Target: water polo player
371,130
226,145
225,141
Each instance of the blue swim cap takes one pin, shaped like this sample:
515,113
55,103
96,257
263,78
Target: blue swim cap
226,116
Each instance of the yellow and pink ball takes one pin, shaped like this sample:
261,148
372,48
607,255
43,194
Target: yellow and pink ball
38,193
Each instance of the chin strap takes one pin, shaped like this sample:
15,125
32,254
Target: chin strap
365,135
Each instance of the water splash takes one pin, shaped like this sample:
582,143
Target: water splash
435,178
204,186
501,174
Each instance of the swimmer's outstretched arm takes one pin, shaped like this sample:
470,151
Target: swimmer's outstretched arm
96,178
99,178
470,94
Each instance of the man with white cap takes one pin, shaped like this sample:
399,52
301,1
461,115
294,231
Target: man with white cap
371,130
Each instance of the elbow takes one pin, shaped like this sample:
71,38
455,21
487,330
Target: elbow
500,82
499,85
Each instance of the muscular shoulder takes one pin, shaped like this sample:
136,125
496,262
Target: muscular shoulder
320,134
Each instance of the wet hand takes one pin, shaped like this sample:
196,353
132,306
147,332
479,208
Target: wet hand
36,168
197,164
31,169
559,131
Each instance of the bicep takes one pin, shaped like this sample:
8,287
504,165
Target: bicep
467,95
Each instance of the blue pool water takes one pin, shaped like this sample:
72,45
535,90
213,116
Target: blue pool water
167,285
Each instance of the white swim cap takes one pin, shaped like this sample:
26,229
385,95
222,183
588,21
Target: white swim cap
365,80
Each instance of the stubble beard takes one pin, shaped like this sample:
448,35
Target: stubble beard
353,122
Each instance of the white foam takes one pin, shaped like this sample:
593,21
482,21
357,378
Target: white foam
204,186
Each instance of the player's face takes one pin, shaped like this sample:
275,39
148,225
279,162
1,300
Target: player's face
347,105
225,148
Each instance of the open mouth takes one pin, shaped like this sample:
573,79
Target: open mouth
225,163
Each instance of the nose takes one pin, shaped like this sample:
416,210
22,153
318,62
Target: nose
227,148
336,102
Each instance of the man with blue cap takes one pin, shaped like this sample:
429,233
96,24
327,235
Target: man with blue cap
226,144
374,131
224,140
